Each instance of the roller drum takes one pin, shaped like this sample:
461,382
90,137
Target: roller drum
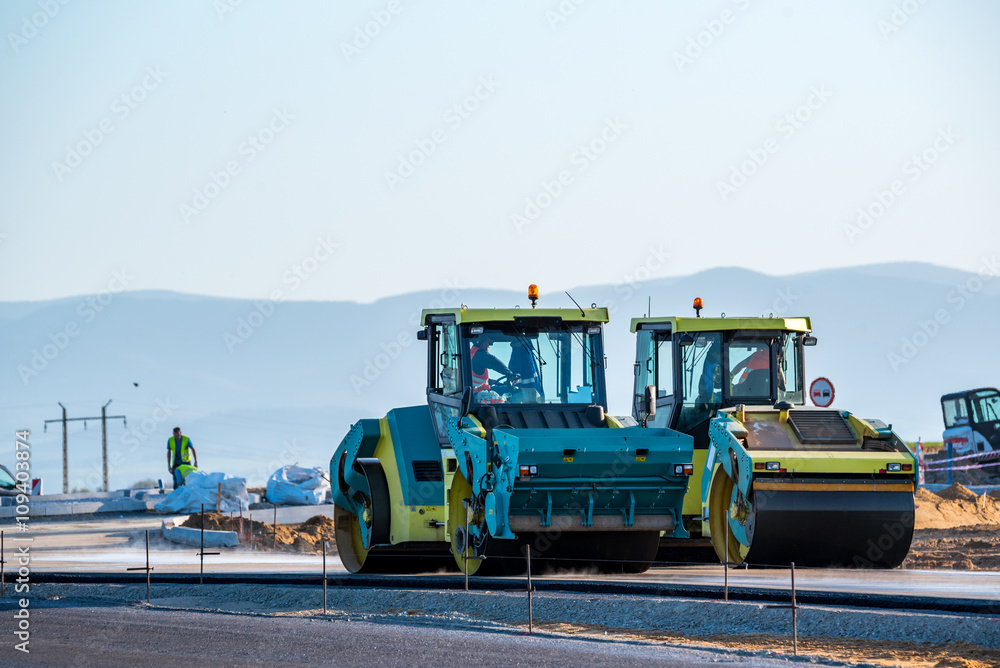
850,529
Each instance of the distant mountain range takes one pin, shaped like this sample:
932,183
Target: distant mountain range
258,384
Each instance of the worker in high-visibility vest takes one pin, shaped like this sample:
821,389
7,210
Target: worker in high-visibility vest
482,360
181,457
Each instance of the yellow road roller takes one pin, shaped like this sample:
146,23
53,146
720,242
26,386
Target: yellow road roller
513,448
775,482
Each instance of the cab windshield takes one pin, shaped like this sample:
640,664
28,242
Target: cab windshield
511,364
6,480
750,373
986,406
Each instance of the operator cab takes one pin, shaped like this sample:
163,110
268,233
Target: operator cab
972,420
518,368
701,365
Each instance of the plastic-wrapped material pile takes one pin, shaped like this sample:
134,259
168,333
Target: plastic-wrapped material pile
202,488
297,486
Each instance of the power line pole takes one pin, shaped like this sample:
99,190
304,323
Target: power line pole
104,417
104,438
65,452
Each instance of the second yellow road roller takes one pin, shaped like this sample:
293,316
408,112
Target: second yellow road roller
775,482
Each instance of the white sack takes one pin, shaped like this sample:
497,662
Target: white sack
203,488
297,486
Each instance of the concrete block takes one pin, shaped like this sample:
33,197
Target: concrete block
79,496
49,509
84,507
189,536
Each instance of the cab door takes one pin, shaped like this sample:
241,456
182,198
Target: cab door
986,419
445,389
655,366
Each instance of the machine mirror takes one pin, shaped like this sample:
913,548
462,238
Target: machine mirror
686,340
809,340
422,334
466,400
649,400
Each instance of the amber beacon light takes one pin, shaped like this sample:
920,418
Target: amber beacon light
698,306
533,294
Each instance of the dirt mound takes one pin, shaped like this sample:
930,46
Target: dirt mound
305,537
956,530
319,521
956,506
970,548
957,492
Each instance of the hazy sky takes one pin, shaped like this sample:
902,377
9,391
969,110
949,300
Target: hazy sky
240,149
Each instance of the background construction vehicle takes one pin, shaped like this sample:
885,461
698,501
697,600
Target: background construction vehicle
817,487
488,466
972,421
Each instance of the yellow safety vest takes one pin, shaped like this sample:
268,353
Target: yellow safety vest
182,457
480,382
185,470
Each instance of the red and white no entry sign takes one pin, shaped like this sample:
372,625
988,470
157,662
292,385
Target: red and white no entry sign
821,392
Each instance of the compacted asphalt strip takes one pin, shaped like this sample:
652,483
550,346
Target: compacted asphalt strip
99,550
68,636
932,602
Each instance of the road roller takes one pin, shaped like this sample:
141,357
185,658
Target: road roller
513,449
775,482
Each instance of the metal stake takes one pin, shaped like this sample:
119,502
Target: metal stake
795,617
795,620
725,568
274,531
147,568
528,552
324,577
202,552
465,552
2,562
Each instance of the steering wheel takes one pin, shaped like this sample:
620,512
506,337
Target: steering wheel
504,384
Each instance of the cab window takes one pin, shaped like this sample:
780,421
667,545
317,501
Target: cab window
790,368
701,378
447,377
955,413
6,481
749,369
448,368
548,364
664,367
986,406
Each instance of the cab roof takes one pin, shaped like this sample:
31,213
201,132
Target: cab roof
689,324
508,314
968,393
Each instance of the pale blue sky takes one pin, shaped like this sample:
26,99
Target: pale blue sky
680,132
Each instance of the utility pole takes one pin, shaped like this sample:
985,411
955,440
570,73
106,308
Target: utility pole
104,440
65,452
